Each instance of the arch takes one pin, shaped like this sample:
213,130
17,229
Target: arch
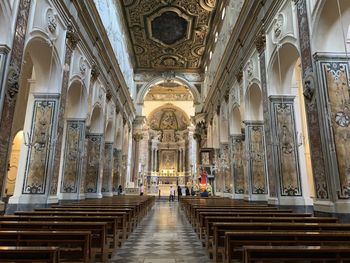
223,126
109,132
180,80
235,121
169,105
46,64
327,29
76,100
253,103
96,121
281,70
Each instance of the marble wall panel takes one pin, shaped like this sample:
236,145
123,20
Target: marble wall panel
41,144
107,168
335,74
237,164
74,148
286,146
256,153
94,151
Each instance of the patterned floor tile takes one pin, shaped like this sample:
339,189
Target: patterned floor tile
164,236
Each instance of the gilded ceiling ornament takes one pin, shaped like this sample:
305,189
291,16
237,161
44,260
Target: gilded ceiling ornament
169,34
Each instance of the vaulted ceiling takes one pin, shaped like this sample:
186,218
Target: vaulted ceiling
169,34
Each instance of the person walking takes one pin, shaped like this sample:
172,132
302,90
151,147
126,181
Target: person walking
179,192
172,194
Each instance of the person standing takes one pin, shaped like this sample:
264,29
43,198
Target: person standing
172,194
179,192
120,189
187,191
142,189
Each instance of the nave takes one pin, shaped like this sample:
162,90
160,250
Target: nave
164,236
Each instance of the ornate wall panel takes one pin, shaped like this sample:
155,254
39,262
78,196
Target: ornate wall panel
335,81
169,34
286,146
107,168
94,151
225,167
312,105
74,149
256,157
41,145
237,164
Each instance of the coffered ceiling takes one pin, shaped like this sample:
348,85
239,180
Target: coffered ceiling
169,34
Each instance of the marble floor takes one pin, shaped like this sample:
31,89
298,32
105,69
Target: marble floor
164,236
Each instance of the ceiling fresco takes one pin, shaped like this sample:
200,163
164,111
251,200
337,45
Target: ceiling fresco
169,34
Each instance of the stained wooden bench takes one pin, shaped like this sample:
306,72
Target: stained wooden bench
29,254
234,241
297,254
210,220
199,225
114,224
98,231
74,245
218,241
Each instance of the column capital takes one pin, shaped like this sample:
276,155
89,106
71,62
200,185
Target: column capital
239,75
72,36
95,72
260,41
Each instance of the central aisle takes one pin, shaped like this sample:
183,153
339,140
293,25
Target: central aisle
164,236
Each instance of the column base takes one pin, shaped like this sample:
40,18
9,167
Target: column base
52,199
70,196
247,198
238,196
2,206
29,199
338,207
272,201
93,195
107,194
259,197
295,201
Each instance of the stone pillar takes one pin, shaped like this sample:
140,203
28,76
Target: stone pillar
93,168
225,168
285,151
11,87
71,43
238,165
334,94
107,179
260,43
4,51
313,112
72,163
255,149
137,137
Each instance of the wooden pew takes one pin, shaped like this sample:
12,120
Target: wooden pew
210,220
220,230
29,254
98,230
234,241
114,224
200,220
285,254
74,245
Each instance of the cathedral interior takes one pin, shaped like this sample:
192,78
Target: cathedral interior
248,100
